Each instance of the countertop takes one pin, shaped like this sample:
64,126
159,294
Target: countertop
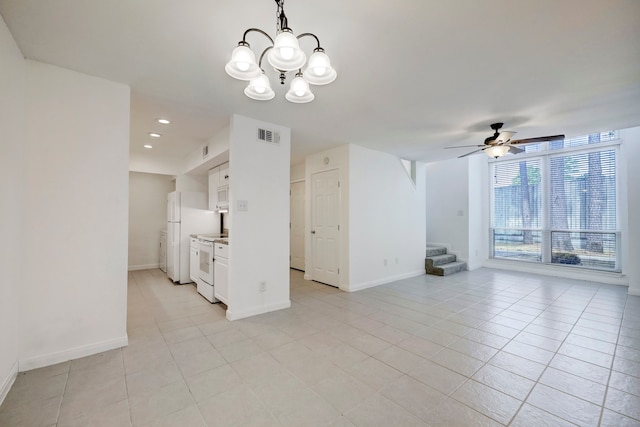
215,238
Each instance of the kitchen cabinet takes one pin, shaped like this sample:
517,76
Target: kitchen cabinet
221,272
223,174
194,259
219,187
223,186
214,178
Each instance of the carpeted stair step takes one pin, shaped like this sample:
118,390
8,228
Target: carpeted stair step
436,260
450,268
436,250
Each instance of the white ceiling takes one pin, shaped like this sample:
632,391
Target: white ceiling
414,76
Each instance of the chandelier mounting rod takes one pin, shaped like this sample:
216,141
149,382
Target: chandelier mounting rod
257,30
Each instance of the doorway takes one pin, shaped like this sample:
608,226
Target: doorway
325,227
297,225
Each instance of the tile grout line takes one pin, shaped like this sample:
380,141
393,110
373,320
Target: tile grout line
520,331
556,353
613,361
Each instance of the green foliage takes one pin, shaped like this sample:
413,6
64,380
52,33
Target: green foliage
571,168
533,174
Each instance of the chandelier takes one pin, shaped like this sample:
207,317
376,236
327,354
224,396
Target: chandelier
285,56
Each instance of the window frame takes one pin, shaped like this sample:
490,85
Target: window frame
545,154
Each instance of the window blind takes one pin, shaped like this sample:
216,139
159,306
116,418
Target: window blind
558,207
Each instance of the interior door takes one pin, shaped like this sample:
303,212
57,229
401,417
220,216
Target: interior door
296,233
325,228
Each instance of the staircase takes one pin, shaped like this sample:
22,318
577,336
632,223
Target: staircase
440,263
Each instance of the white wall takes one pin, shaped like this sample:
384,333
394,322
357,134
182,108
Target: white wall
335,158
147,216
298,172
259,238
448,210
386,219
193,183
163,165
77,159
218,152
631,155
12,187
477,212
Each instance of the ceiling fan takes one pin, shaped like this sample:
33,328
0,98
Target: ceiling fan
500,143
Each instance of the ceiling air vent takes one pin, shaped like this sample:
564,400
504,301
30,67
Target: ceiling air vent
265,135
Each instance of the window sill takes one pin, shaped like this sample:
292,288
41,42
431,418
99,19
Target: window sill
598,276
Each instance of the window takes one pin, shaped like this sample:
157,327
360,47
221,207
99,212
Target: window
557,204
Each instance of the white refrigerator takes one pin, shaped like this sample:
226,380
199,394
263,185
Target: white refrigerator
187,214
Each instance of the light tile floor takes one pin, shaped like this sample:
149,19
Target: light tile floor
484,348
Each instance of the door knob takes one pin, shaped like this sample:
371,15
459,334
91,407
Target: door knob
313,231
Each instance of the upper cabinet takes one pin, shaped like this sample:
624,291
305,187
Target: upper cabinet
224,174
214,177
219,187
223,186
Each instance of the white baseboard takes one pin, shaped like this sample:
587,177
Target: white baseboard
8,382
143,267
385,280
73,353
634,292
236,315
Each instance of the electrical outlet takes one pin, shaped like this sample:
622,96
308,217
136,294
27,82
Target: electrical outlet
396,260
243,206
385,262
263,286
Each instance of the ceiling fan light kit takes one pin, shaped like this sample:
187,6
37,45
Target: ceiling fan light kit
500,143
496,151
284,55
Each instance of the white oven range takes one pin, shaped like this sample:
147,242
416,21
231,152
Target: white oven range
205,271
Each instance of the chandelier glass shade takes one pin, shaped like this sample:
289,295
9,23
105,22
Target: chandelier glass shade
299,92
260,89
284,55
243,64
319,70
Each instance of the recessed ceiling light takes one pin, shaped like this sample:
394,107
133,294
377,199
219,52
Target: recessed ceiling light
148,146
163,121
154,135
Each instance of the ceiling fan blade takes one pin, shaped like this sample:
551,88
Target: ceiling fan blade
463,146
472,152
504,137
538,139
515,150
